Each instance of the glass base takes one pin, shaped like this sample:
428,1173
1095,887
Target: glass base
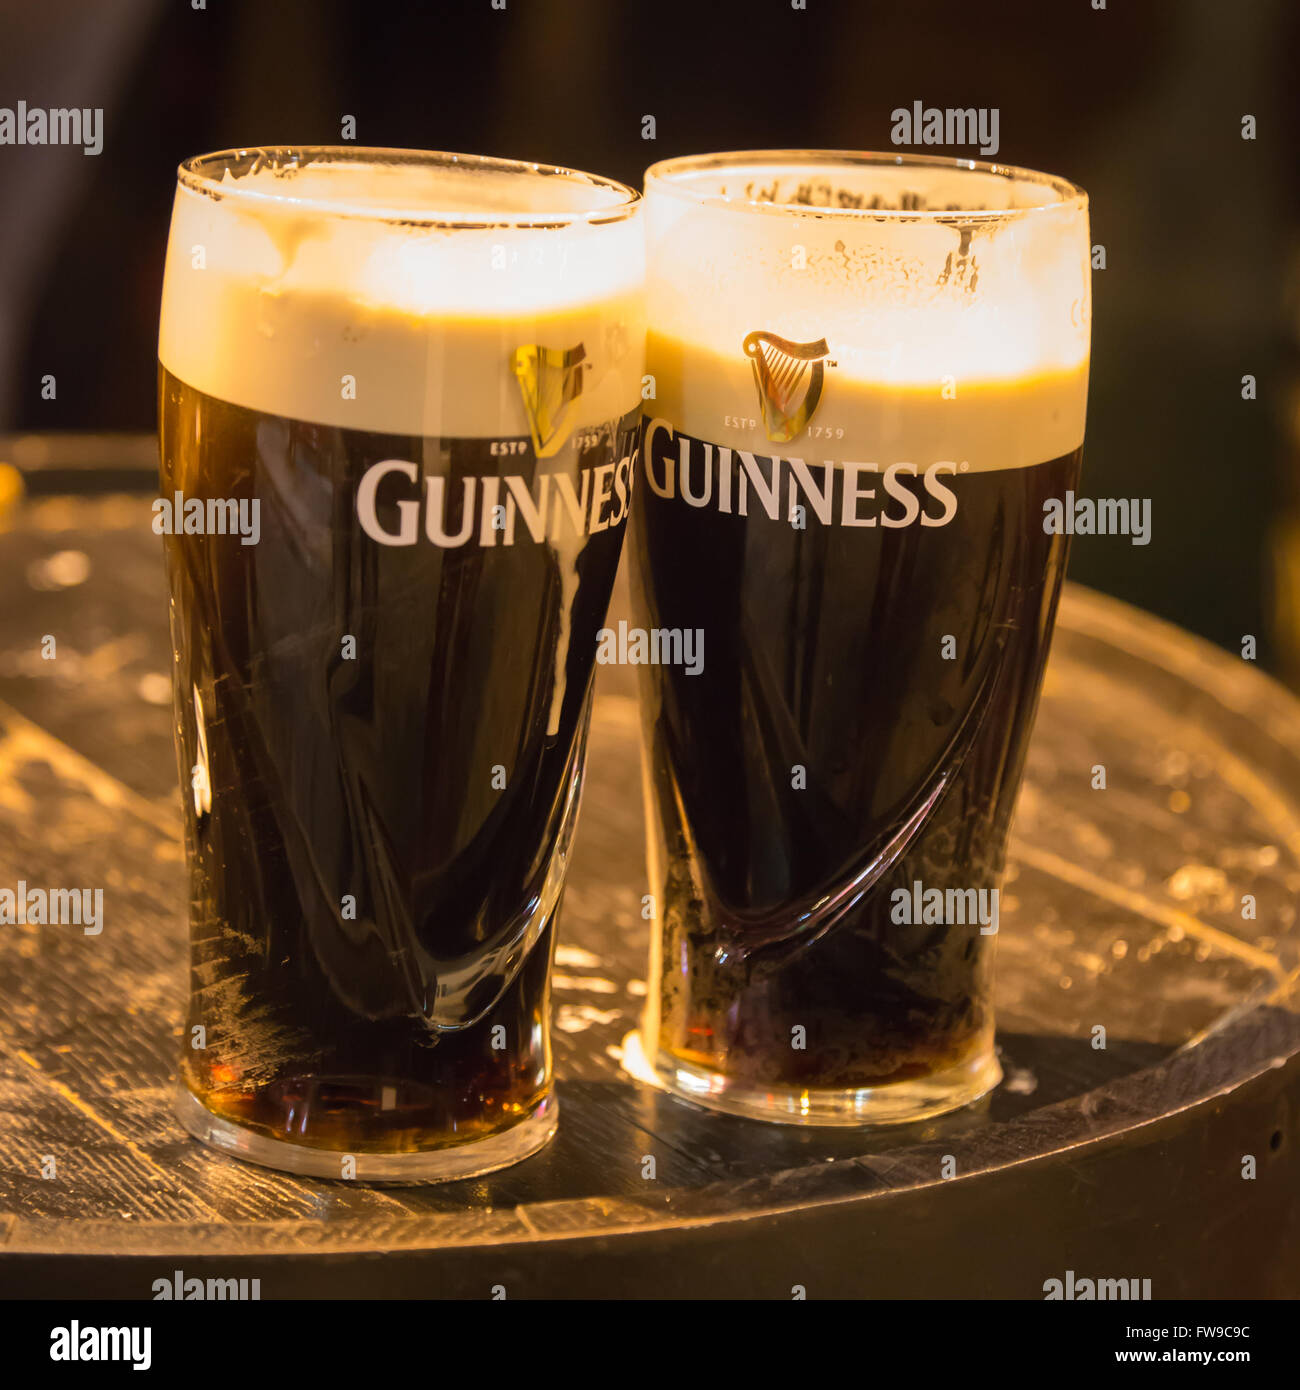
468,1160
900,1102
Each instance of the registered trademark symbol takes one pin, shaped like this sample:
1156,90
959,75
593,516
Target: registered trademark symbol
964,465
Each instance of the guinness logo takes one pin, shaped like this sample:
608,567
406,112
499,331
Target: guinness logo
550,379
789,380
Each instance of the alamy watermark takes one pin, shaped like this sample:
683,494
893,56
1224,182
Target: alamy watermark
73,1342
208,516
656,646
1098,516
948,907
192,1290
948,125
1077,1288
54,907
61,125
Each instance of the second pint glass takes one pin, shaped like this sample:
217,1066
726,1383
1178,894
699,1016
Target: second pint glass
398,404
870,377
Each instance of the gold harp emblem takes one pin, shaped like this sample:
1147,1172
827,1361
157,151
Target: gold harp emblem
550,379
789,380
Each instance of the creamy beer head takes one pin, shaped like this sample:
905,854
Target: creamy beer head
920,309
383,290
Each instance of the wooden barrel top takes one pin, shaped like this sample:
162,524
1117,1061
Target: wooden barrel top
1122,908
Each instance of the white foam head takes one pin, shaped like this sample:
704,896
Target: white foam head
954,299
415,276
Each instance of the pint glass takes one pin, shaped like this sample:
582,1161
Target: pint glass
398,395
870,376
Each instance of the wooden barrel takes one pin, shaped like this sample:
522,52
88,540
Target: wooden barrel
1147,1004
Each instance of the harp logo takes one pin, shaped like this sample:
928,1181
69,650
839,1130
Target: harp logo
550,380
789,381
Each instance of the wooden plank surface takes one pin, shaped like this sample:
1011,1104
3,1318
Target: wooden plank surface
1122,908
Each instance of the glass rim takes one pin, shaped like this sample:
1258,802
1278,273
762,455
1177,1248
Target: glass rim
666,176
197,175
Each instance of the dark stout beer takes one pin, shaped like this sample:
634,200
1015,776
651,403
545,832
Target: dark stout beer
826,720
369,776
870,376
382,689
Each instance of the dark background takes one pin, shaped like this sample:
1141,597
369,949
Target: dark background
1141,103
